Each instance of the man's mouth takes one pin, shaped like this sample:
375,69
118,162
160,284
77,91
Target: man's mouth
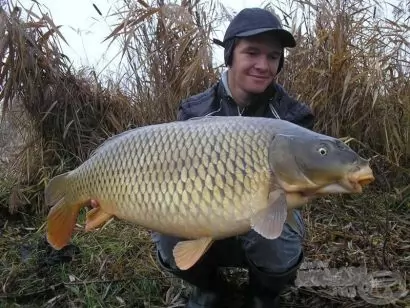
259,77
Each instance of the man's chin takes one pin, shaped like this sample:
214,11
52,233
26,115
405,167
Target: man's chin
255,90
256,86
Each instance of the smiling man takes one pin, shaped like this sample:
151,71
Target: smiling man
254,54
255,62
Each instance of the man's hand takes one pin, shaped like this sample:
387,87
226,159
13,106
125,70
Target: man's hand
94,204
295,200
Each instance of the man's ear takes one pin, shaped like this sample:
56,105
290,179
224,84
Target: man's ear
281,62
228,53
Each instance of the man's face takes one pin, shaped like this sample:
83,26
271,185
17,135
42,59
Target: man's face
255,62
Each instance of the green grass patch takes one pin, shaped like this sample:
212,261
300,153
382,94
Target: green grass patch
115,266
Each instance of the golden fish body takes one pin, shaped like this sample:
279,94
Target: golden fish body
188,179
202,179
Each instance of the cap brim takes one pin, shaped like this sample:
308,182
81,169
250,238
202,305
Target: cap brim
285,36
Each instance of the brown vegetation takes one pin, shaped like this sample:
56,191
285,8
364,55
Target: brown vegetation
353,67
350,65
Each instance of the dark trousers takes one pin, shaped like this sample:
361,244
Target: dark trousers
271,256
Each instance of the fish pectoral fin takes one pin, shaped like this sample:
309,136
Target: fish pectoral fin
269,221
95,218
187,253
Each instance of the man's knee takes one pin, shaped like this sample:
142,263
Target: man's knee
226,252
164,246
278,255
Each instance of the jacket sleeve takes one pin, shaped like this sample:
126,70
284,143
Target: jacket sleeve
196,105
295,111
301,114
183,111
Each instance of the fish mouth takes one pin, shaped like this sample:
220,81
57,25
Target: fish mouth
359,179
352,183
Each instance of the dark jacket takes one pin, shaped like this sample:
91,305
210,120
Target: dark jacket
274,103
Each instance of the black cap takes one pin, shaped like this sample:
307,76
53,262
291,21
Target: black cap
252,21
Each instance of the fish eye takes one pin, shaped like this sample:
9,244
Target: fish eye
322,151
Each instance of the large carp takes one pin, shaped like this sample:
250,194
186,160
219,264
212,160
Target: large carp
203,180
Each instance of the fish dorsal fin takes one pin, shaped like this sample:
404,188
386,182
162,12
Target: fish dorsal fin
108,141
115,138
207,118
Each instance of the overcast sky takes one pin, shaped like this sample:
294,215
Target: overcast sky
85,30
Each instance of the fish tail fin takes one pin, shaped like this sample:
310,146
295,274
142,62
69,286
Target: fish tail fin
63,213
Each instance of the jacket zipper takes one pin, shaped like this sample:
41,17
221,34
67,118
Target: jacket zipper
272,109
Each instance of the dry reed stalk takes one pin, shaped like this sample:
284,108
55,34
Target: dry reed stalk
67,113
71,111
352,65
168,53
338,68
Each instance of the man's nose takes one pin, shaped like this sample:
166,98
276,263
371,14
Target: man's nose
262,63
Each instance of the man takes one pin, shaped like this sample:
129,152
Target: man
254,43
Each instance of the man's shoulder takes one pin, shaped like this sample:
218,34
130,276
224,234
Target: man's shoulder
198,105
292,109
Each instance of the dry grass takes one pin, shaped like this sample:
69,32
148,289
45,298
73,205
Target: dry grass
71,112
352,66
168,53
357,86
67,113
104,272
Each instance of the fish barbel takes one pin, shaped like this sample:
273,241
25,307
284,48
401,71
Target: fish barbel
203,180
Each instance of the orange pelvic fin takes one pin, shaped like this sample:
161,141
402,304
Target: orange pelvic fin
187,253
96,217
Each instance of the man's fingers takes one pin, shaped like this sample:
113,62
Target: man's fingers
297,199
